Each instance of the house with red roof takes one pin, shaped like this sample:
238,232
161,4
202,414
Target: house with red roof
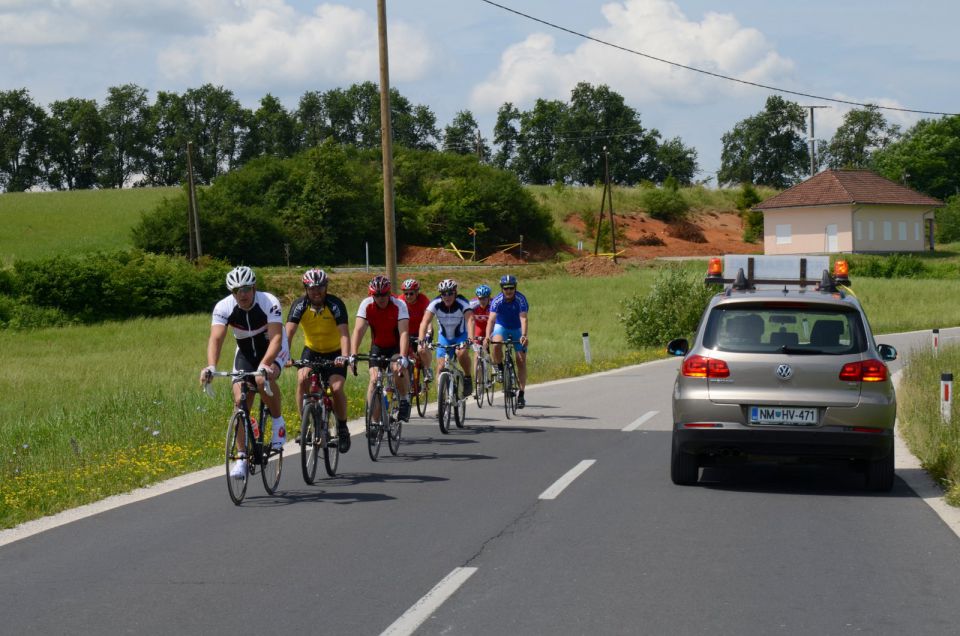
847,211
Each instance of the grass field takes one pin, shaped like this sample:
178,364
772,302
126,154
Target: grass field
43,224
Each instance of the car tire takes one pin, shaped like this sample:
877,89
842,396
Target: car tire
684,467
880,473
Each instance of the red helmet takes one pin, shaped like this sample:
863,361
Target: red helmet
379,285
411,284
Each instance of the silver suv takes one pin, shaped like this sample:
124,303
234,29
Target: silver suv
782,365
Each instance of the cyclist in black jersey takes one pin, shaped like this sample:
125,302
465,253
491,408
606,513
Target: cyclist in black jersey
256,320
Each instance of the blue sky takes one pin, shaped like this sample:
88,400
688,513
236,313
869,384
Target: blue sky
466,54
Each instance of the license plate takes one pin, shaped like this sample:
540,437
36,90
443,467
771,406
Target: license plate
783,416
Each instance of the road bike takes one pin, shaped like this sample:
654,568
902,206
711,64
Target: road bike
511,383
451,403
419,383
318,432
382,409
245,437
484,376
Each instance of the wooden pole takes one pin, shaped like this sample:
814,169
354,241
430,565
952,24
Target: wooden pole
386,144
191,206
613,225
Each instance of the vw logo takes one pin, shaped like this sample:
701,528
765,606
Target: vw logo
784,372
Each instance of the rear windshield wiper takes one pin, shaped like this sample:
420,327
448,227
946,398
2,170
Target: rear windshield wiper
802,350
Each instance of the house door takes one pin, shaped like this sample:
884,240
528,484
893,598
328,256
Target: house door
832,243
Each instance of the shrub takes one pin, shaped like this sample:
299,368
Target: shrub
665,204
892,266
947,221
671,309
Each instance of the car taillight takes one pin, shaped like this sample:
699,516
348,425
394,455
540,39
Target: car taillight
865,371
703,367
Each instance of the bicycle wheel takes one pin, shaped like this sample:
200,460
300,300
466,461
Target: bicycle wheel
443,402
490,383
272,466
237,486
374,432
508,397
416,388
331,450
480,378
309,436
459,403
515,382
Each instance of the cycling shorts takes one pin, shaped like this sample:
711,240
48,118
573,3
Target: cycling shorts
326,372
392,352
243,363
500,330
442,353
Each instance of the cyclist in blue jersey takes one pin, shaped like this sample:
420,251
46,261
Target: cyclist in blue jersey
508,318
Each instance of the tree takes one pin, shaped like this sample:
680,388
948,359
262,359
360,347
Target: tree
273,131
462,136
169,130
311,119
125,115
218,127
23,137
766,149
926,158
863,131
673,159
539,148
76,143
506,136
417,130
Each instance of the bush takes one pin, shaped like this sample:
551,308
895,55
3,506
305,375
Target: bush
892,266
115,285
947,221
671,309
666,203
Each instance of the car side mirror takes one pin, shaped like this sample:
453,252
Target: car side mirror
887,352
678,347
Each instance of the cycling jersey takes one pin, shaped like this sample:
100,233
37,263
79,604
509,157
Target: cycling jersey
452,319
416,309
250,326
480,316
508,313
320,326
383,322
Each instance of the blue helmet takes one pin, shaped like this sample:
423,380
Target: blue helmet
508,279
483,291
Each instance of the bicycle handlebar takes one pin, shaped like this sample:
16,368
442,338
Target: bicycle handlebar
237,375
316,364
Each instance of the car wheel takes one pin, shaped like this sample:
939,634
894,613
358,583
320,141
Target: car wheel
684,467
880,473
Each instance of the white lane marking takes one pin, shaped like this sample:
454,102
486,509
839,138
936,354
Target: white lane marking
428,604
640,421
566,480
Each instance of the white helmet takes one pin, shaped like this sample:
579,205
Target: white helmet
447,285
241,276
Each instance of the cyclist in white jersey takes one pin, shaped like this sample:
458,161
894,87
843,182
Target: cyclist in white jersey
455,319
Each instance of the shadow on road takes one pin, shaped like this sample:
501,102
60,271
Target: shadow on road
796,479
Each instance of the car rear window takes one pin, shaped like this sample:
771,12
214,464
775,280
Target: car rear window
785,327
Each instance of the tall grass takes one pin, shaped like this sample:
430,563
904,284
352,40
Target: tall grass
42,224
935,443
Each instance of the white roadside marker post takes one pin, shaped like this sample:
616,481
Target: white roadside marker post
936,342
946,395
586,348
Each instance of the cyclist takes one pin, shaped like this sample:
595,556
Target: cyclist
416,305
455,322
256,319
326,336
389,321
481,311
508,317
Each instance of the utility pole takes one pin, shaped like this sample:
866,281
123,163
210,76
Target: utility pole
386,144
605,197
479,146
813,142
193,218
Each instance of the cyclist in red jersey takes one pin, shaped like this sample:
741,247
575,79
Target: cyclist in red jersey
481,312
389,321
416,305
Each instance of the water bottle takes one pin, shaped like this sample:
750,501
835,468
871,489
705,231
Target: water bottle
256,427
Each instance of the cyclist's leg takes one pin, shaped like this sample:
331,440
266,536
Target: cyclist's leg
273,406
522,368
302,381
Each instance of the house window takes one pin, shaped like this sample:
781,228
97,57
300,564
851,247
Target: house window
916,231
870,230
783,235
902,230
887,230
859,230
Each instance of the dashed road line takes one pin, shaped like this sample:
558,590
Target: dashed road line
559,485
640,421
420,611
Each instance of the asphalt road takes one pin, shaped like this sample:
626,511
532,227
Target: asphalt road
478,532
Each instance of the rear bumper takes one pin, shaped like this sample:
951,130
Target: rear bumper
822,443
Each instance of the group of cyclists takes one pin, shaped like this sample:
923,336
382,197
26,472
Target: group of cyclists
400,327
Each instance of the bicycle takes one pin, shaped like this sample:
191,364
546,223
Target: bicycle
316,432
419,385
387,420
449,382
511,383
484,376
245,431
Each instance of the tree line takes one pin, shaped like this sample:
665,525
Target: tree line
127,140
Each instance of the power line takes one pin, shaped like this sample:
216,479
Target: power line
710,73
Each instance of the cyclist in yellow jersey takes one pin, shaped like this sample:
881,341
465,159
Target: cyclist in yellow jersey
326,336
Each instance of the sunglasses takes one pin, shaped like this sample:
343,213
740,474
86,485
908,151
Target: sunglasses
448,293
410,293
509,287
381,295
246,289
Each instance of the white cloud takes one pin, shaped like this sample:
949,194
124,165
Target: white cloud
718,43
271,44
